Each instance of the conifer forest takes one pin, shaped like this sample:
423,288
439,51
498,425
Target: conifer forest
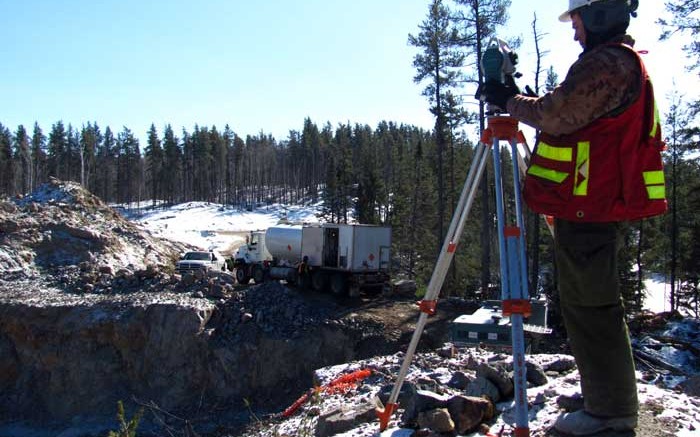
391,173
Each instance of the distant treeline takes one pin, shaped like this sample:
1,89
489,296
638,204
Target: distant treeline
376,175
386,175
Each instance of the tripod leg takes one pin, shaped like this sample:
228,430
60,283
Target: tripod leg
438,277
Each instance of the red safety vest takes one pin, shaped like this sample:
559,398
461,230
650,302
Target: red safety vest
610,170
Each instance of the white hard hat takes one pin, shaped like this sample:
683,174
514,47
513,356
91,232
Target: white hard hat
573,5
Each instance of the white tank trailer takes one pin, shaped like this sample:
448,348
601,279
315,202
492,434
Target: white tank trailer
340,258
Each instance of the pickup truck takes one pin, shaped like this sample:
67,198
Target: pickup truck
200,260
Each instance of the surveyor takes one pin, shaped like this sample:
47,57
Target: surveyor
597,164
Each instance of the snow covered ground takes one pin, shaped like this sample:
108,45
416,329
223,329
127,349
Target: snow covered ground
212,226
657,298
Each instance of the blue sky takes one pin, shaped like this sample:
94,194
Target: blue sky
258,66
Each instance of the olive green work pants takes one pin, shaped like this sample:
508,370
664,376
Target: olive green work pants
593,313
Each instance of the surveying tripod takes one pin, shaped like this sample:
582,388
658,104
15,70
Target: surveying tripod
511,242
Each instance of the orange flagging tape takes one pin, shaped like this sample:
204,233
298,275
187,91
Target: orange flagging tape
341,384
352,377
298,403
340,388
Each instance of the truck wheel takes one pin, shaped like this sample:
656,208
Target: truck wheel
319,281
241,277
258,274
339,284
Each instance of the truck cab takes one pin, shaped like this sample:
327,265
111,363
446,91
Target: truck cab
248,259
200,260
253,250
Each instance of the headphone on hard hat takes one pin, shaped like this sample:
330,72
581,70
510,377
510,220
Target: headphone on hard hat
602,15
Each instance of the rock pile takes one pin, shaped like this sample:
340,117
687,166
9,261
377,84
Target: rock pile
61,224
448,392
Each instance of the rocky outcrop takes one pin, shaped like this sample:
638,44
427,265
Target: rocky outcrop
63,361
70,360
61,225
91,312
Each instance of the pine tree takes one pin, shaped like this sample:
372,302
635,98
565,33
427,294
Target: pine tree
58,143
237,165
38,157
107,158
6,165
369,181
154,165
172,167
312,158
684,21
688,294
89,144
439,64
129,168
72,155
477,22
422,248
534,220
344,172
230,170
23,158
219,152
187,167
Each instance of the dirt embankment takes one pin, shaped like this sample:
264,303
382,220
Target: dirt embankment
77,356
91,312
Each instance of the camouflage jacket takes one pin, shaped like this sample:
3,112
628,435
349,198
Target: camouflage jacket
602,82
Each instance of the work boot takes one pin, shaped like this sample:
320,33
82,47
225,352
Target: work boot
582,423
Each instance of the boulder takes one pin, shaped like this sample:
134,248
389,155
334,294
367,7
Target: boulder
344,418
535,374
499,377
459,380
438,420
483,387
691,386
469,412
423,400
562,365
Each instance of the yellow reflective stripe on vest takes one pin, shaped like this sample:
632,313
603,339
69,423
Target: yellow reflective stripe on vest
656,123
563,154
582,170
654,177
656,185
656,192
546,173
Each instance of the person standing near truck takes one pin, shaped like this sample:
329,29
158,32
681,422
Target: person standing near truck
304,274
597,164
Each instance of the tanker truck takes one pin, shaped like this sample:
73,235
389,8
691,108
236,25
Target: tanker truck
341,258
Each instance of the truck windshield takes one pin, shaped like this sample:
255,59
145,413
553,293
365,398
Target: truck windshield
198,256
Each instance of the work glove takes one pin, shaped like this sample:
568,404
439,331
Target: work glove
497,93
